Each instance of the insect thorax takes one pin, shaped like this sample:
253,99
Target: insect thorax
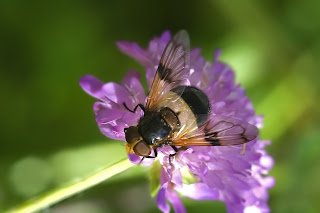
153,127
183,107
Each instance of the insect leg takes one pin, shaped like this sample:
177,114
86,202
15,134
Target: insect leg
174,148
155,155
141,160
172,155
134,110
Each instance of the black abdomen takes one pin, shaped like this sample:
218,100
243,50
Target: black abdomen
196,100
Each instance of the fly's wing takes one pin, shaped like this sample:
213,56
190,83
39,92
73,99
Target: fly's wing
171,69
218,131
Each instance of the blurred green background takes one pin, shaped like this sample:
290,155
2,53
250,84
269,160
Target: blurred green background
48,134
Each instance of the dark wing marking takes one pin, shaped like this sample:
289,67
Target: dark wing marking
218,131
171,70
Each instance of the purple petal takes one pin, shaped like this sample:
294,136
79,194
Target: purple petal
252,209
176,177
137,160
134,158
115,93
258,121
164,177
113,130
176,202
217,54
106,115
163,40
157,45
97,106
267,162
131,119
213,180
131,82
161,199
133,50
241,163
198,191
150,73
92,86
239,184
268,182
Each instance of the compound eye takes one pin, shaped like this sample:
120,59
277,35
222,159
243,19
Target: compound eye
132,134
142,149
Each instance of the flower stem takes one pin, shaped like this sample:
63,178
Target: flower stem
64,192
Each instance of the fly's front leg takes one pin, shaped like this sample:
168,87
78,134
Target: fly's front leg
155,155
135,109
172,155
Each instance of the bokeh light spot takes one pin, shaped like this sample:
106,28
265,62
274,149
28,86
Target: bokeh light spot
30,176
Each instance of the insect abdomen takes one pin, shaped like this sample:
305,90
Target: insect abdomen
196,100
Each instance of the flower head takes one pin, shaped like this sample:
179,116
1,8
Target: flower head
230,174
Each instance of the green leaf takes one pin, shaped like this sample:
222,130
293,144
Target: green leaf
71,189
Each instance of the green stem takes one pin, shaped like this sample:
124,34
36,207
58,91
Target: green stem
62,193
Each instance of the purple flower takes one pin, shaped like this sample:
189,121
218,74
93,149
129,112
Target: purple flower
232,174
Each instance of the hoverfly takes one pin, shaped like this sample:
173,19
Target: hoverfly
180,115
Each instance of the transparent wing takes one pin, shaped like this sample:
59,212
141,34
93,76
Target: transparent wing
171,69
218,131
